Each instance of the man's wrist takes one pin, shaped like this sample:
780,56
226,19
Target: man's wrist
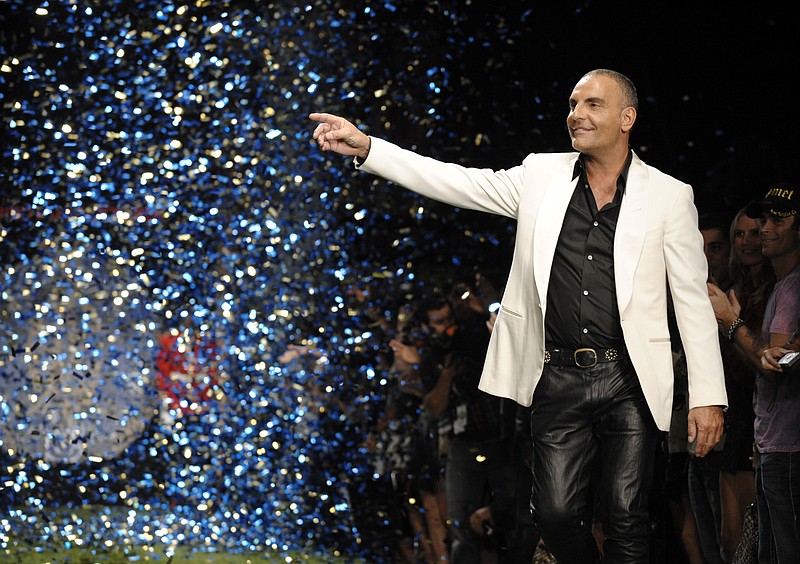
361,157
733,327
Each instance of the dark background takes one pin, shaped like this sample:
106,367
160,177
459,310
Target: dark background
713,78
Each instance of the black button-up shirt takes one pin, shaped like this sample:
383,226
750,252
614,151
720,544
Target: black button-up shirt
582,298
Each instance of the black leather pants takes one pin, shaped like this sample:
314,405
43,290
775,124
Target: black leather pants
593,435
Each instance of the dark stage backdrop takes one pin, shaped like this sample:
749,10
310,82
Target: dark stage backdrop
195,303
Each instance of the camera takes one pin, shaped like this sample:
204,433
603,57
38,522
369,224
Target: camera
790,361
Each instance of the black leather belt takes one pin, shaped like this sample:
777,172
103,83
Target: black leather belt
582,358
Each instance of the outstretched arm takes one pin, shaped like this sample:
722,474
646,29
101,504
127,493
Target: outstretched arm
336,134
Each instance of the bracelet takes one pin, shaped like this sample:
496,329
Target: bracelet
729,334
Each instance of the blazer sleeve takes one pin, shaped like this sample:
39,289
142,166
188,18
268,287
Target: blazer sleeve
486,190
687,272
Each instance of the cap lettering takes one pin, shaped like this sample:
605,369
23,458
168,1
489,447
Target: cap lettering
784,193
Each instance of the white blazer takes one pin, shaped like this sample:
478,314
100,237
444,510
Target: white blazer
657,243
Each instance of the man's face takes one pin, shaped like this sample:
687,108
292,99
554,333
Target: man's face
440,320
597,119
778,238
718,252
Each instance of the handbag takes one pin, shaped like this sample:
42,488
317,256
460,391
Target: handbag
747,551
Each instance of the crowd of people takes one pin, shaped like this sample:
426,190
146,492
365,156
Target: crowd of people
747,255
641,353
459,457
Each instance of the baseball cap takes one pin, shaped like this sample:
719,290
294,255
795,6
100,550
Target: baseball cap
782,200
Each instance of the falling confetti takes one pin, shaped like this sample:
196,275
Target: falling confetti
187,265
194,299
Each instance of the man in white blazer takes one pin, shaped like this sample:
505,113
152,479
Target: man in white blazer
603,242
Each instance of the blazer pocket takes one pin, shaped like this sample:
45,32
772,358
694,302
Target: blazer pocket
660,340
511,312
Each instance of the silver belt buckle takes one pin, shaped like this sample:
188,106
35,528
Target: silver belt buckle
580,351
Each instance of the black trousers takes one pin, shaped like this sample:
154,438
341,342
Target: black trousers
594,444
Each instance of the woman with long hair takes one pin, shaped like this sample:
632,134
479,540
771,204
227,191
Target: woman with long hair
753,280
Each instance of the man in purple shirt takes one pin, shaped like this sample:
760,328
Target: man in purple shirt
777,394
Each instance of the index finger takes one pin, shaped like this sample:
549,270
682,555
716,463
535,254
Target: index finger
323,117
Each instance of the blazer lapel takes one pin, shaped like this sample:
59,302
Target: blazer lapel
630,232
549,220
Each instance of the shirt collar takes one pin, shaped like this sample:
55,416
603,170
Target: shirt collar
622,179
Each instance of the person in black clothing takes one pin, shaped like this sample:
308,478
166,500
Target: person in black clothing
581,334
480,461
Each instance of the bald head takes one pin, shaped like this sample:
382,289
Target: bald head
627,90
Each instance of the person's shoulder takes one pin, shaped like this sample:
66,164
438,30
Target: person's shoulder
792,279
655,174
550,161
786,293
553,156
